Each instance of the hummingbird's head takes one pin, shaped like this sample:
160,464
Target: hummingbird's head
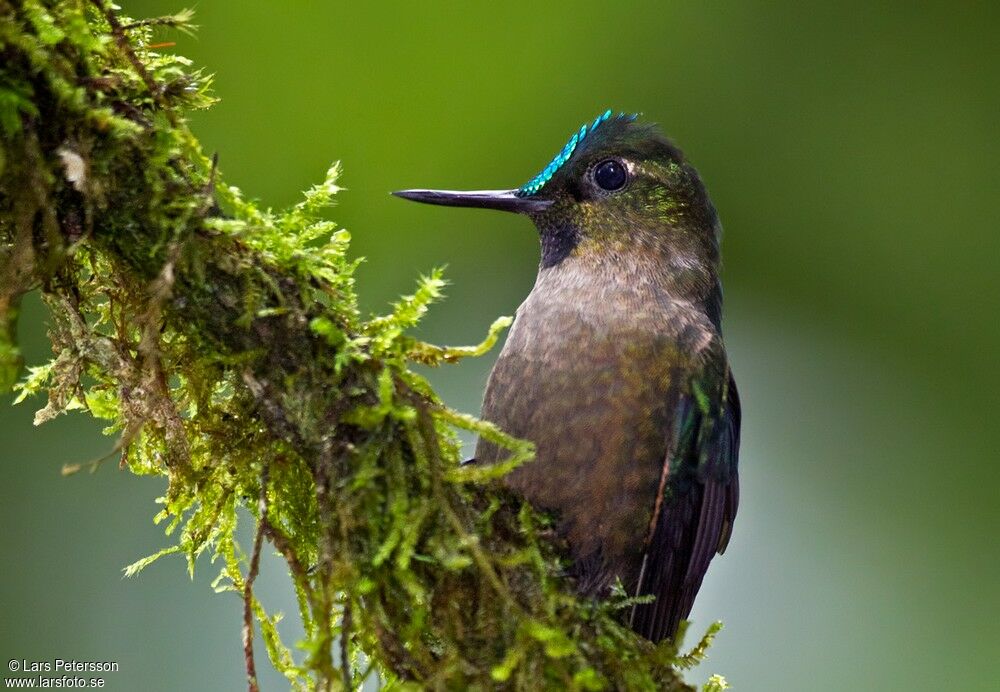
619,189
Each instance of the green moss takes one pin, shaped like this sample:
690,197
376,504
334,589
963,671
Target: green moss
223,344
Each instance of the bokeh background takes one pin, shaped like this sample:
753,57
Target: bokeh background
852,151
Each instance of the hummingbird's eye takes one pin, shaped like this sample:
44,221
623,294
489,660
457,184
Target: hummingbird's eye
610,175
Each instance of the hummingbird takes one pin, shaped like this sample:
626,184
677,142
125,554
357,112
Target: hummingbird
615,368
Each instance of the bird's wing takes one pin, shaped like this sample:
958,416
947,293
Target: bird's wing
696,502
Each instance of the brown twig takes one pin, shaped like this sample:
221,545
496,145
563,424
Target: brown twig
118,31
258,543
284,546
345,635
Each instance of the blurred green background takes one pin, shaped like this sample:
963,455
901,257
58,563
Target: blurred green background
852,151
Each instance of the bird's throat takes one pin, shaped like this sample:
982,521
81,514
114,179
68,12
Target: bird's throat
558,242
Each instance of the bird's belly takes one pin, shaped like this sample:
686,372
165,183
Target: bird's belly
594,398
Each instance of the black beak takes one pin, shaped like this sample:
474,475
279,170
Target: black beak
504,200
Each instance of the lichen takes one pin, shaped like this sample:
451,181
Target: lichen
223,344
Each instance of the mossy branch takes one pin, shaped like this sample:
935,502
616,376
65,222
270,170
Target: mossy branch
224,345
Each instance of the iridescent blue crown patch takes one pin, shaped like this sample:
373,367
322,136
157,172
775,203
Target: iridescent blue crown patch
538,182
